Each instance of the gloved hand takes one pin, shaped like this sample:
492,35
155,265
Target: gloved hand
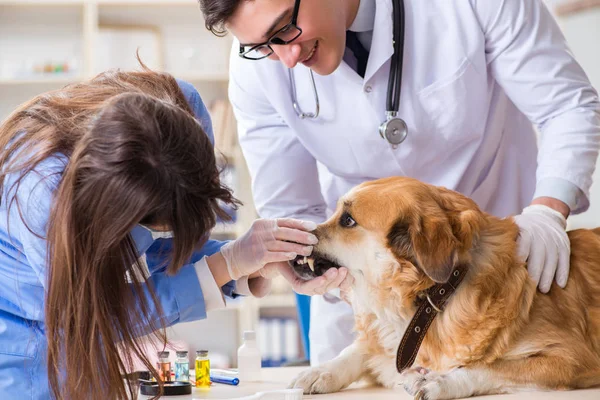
268,241
543,243
333,278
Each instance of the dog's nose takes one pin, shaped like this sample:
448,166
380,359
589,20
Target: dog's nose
319,232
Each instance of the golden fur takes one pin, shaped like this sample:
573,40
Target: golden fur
497,334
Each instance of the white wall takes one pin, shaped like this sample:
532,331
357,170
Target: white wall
582,31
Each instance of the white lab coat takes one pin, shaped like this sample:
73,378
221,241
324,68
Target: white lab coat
477,74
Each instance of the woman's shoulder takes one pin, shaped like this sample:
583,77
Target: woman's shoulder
45,176
198,107
27,195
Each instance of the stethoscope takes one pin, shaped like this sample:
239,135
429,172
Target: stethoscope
393,129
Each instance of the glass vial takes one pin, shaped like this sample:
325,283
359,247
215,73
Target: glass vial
182,367
202,369
249,359
164,366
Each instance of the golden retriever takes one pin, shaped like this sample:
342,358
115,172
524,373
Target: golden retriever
497,334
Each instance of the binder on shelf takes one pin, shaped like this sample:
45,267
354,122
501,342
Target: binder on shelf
278,340
224,127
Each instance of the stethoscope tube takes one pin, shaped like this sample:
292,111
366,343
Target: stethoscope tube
301,114
394,129
395,78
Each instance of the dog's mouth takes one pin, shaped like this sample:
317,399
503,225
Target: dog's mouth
312,266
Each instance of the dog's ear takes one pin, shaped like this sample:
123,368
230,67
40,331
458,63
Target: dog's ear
428,243
465,217
433,235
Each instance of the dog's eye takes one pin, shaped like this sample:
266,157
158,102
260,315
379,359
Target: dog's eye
347,221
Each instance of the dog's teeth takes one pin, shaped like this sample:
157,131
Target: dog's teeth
311,264
305,260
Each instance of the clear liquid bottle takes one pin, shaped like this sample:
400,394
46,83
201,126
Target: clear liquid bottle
182,367
249,359
202,369
164,366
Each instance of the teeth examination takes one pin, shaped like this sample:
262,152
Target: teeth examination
299,199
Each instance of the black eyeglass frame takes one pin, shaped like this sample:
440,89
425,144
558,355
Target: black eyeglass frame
274,39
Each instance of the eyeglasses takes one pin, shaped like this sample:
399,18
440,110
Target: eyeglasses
285,35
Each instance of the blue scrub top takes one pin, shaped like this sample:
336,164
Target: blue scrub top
23,373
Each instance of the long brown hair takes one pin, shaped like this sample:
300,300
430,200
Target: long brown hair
136,155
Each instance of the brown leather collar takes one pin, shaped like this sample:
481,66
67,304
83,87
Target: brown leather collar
435,300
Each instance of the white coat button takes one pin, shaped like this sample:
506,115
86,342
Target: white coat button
368,89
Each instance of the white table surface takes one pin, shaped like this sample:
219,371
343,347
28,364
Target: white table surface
279,378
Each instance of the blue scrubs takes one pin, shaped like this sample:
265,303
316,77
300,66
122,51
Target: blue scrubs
23,372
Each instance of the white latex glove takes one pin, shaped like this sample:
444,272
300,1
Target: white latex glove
268,241
543,243
332,279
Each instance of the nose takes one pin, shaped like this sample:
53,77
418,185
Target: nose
289,54
322,236
319,233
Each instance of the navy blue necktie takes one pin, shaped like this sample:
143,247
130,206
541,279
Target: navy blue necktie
361,54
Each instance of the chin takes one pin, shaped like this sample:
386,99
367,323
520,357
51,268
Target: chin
328,65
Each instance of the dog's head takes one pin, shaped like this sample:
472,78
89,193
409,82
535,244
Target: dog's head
396,223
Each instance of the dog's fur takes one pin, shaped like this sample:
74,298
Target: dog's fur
497,334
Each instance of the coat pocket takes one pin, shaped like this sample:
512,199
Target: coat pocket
18,336
16,380
455,106
19,339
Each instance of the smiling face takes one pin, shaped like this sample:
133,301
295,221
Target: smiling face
395,223
323,22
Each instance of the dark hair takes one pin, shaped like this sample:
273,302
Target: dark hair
136,154
216,13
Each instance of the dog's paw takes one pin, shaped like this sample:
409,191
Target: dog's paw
413,379
317,381
434,389
427,385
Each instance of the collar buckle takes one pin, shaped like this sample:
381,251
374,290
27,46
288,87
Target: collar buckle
436,308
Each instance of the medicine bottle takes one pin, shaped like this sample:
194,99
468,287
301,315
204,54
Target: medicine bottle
164,366
249,359
182,367
202,369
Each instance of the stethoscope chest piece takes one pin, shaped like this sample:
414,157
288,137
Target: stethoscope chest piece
394,129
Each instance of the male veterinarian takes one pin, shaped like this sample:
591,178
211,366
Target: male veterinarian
446,91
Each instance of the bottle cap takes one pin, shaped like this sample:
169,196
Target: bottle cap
182,353
249,335
202,353
163,354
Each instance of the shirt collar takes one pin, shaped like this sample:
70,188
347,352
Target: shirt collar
365,17
143,238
